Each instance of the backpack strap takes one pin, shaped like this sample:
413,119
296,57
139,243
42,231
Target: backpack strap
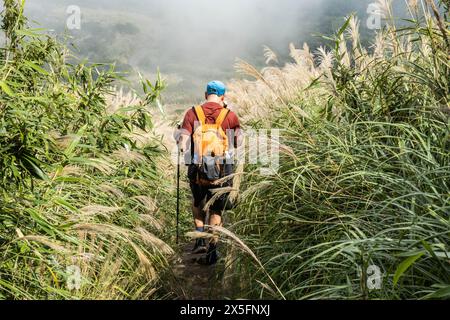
200,115
222,116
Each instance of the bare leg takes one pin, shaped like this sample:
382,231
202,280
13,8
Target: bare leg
199,221
215,220
199,216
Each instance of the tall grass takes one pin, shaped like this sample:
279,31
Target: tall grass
80,177
365,166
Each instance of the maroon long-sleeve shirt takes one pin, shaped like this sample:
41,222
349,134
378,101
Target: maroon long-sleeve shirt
212,111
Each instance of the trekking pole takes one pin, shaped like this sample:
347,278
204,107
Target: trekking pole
178,187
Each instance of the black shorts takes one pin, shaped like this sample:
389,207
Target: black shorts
201,193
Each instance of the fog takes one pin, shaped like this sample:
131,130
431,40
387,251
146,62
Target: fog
191,41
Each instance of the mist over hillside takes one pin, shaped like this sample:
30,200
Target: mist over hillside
194,41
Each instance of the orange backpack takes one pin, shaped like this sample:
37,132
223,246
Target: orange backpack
210,147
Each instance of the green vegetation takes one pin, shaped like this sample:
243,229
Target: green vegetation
80,183
365,168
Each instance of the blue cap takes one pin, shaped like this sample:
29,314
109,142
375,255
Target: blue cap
216,87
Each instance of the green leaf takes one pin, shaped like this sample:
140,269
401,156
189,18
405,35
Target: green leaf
41,221
160,106
118,120
62,202
6,88
36,68
30,32
128,109
23,247
70,150
344,27
443,293
31,165
405,265
435,255
42,100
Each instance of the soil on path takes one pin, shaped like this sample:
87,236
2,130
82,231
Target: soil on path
193,281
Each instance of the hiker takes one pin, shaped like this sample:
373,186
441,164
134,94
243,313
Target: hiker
208,136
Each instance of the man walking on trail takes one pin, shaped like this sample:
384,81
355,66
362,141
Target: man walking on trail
209,135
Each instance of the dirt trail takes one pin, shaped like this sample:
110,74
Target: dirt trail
189,280
193,281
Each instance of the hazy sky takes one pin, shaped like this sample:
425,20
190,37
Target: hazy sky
190,40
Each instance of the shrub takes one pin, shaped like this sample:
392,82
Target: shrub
365,165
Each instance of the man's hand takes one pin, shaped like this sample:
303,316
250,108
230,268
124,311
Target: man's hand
177,134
